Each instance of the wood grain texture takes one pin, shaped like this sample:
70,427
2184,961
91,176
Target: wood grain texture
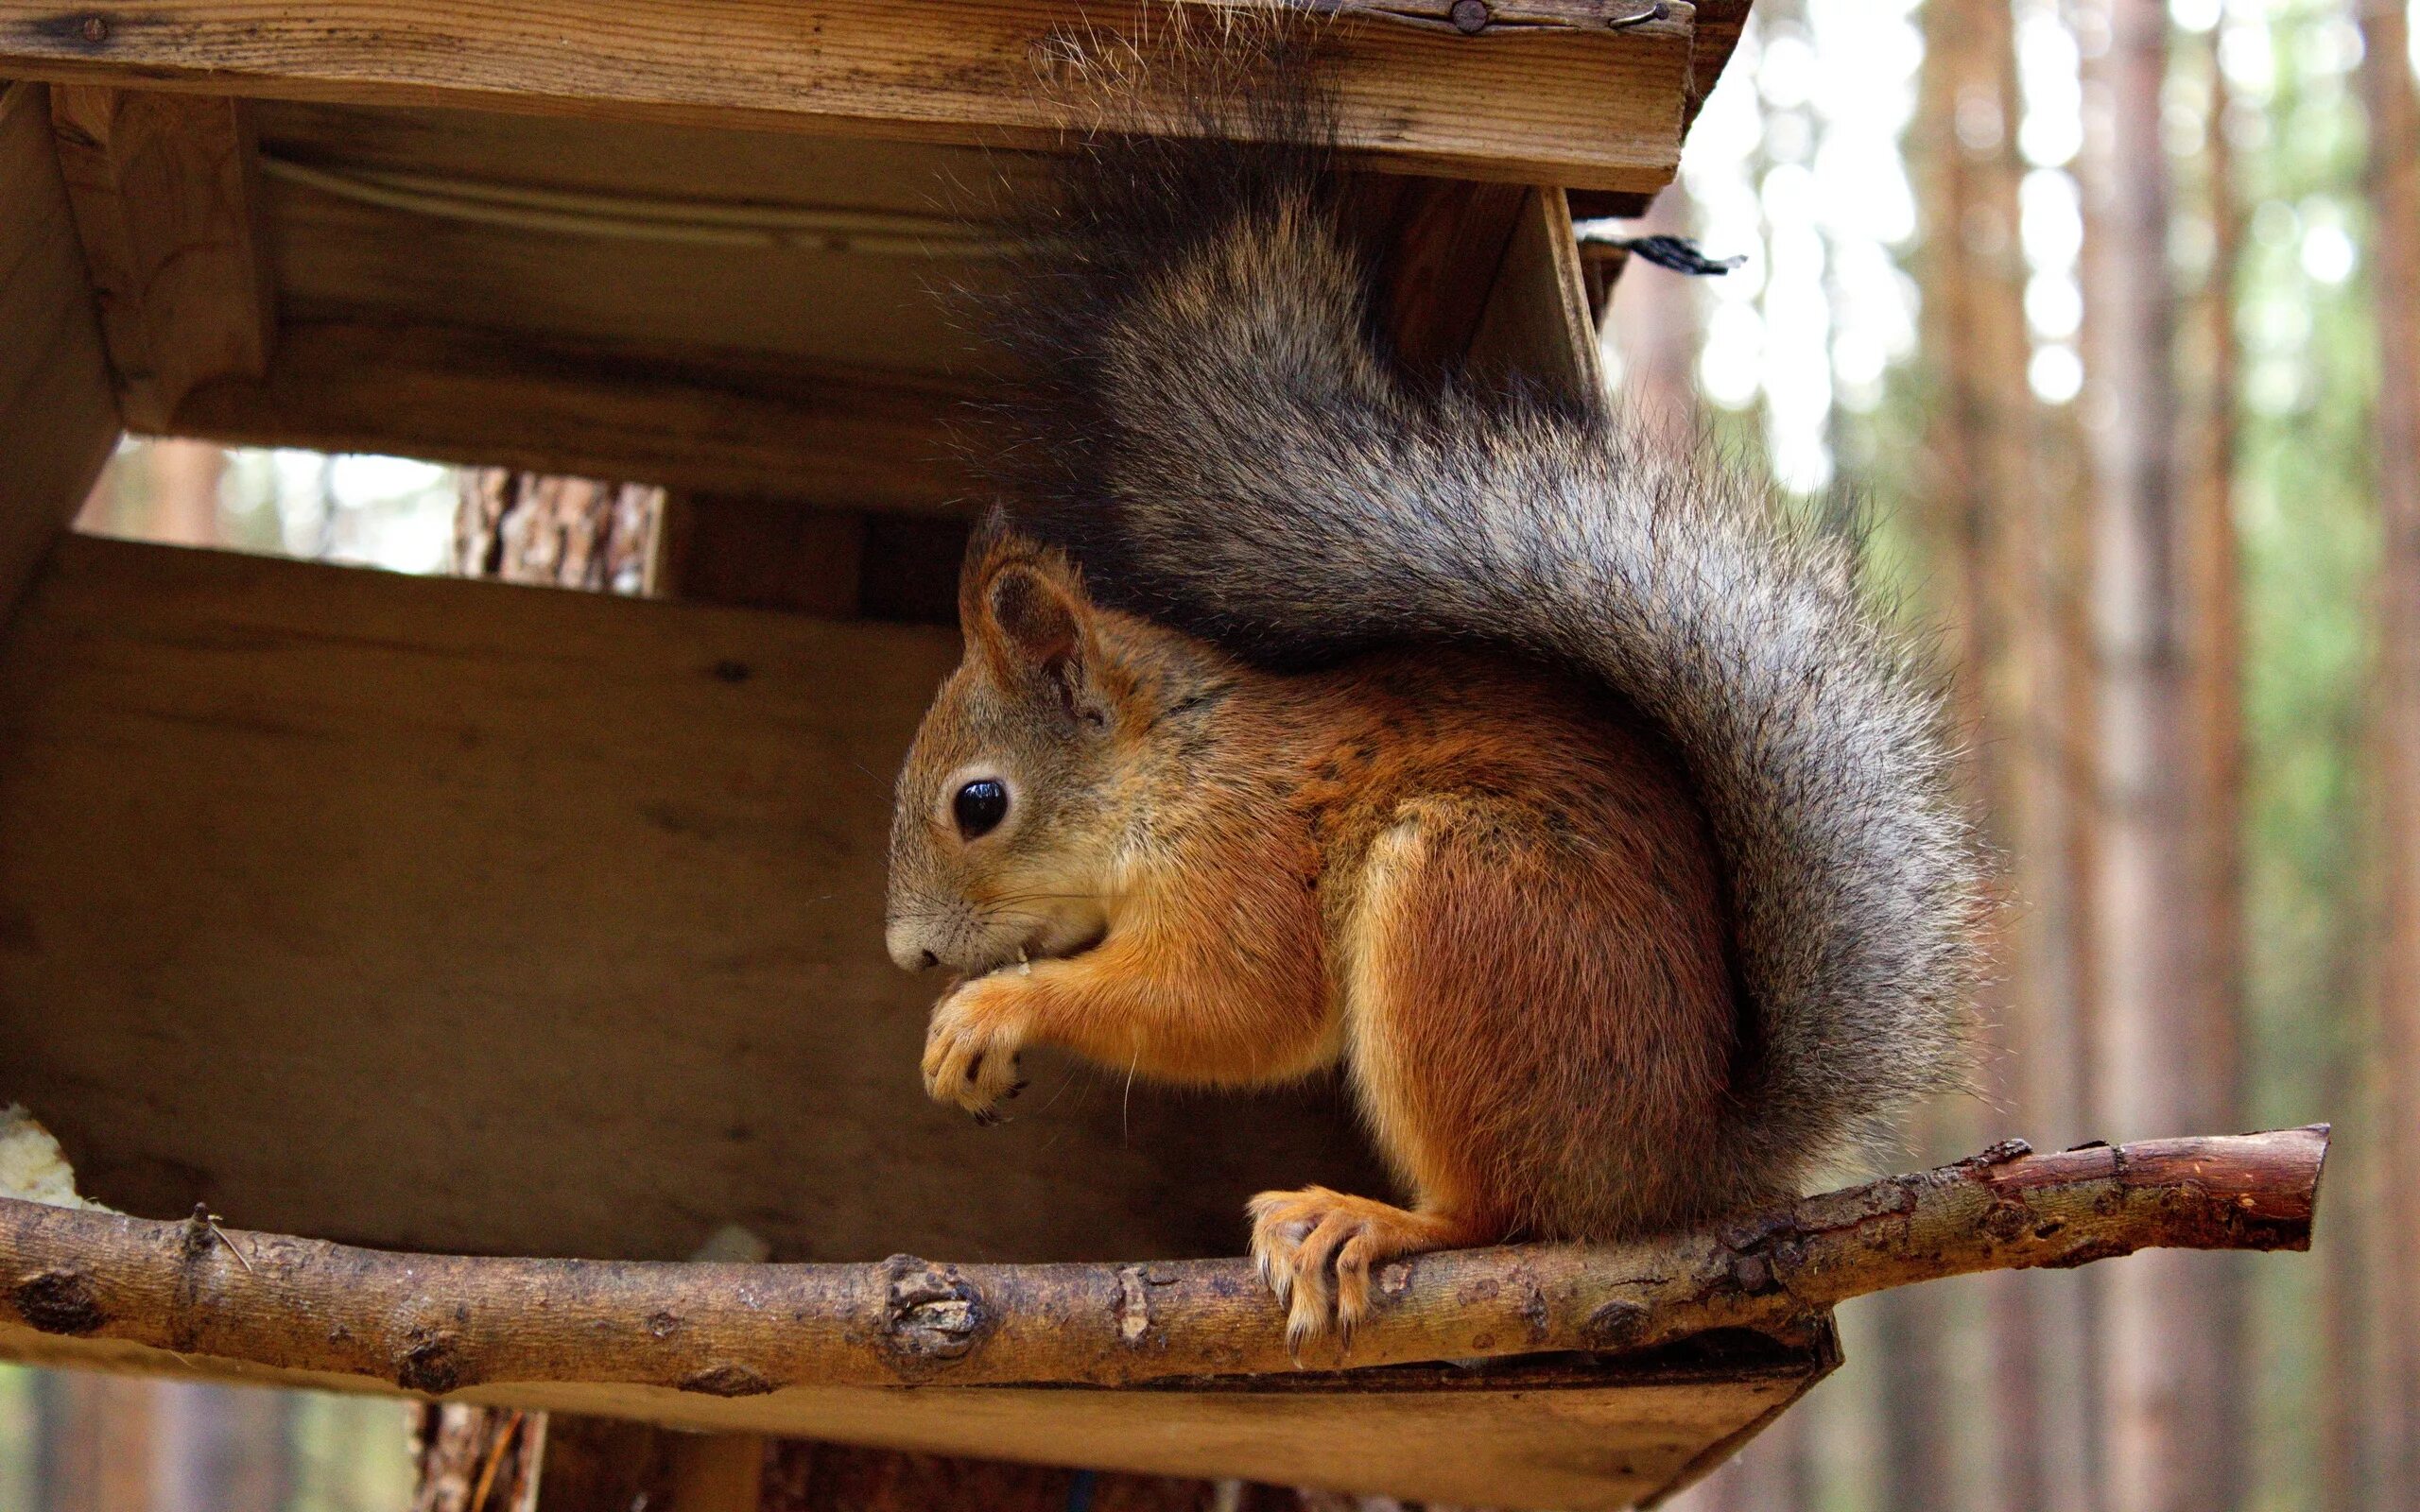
339,259
844,438
1573,1435
1441,244
1603,111
284,927
1537,325
755,553
166,196
58,415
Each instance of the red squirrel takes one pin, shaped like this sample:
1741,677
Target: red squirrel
1561,789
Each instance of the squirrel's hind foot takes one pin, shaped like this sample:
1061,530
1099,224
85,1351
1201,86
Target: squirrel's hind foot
1316,1247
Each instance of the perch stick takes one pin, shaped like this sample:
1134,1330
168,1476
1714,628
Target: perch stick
436,1323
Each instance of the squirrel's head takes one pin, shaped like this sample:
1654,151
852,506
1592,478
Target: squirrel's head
1005,824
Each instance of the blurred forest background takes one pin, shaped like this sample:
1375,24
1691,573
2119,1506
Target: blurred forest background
2105,316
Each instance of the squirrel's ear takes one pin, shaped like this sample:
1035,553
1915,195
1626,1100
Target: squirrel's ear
1035,619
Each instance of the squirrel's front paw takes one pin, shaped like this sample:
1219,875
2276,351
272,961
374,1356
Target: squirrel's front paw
971,1047
1315,1248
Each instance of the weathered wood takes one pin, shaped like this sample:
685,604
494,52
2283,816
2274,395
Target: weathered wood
846,440
1602,110
1442,245
167,198
605,277
605,874
57,417
1538,326
758,553
1575,1434
441,1323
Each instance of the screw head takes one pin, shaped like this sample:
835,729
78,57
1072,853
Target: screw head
95,29
1469,16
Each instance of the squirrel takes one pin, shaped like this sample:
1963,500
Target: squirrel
1560,787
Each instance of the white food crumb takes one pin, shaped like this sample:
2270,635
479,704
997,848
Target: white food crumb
735,1241
32,1167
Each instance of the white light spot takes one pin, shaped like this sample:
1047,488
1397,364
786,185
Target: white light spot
2056,373
2328,254
2050,219
2053,306
1727,365
1785,78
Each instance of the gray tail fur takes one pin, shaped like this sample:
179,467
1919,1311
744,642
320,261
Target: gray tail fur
1216,432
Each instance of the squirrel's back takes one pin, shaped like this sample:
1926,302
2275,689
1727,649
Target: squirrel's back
1216,432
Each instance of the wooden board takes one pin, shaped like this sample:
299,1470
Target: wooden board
342,258
57,418
457,916
823,436
167,201
1575,1433
1440,245
1602,110
1538,327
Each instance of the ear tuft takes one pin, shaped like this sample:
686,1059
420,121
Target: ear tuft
1036,618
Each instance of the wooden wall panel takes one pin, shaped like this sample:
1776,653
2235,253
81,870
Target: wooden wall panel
467,916
57,418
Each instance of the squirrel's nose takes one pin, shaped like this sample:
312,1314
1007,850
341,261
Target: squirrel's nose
908,952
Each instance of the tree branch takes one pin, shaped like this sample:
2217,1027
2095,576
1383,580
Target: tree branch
435,1323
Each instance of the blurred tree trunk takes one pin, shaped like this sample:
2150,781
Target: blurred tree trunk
2213,612
1979,490
2159,1345
93,1439
561,532
124,1444
220,1448
2395,263
477,1460
1775,1473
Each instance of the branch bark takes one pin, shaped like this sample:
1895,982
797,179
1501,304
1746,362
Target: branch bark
436,1323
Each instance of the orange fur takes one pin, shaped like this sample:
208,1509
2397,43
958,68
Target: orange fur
1484,888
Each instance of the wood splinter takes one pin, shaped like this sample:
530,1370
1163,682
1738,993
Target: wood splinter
436,1324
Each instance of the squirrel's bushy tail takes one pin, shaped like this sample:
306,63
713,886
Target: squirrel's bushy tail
1216,430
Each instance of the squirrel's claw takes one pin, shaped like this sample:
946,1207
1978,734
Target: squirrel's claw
1315,1249
970,1049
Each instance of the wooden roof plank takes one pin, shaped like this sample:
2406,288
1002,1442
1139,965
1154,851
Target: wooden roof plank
1595,109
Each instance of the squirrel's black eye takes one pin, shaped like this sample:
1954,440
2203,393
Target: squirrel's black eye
980,807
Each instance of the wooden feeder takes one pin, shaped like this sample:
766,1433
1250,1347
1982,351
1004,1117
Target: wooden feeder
446,919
